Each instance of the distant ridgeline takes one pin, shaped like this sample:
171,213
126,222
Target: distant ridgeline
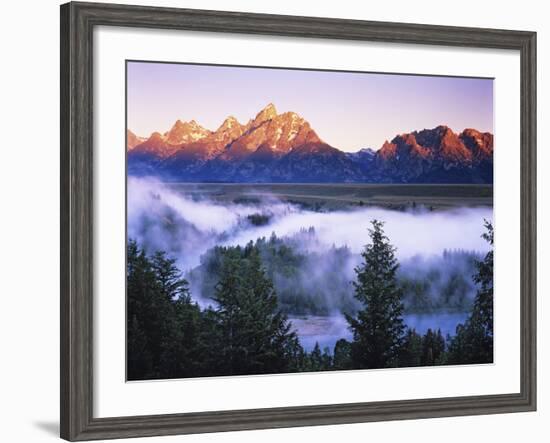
283,148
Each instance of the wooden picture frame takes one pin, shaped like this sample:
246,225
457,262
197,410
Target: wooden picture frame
77,23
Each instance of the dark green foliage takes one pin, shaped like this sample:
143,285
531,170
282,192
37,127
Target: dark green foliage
378,328
316,283
326,360
411,349
441,284
255,336
168,277
211,336
483,305
317,360
246,330
473,342
433,348
426,350
170,337
163,322
342,355
140,360
311,282
259,219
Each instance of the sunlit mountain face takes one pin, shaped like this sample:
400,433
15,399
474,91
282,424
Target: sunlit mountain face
284,148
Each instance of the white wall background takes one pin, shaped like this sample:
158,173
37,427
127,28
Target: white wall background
29,226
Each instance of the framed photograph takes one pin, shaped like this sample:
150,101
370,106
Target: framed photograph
273,221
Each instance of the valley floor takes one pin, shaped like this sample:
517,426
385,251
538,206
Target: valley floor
330,196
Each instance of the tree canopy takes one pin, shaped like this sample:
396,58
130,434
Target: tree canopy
378,328
243,330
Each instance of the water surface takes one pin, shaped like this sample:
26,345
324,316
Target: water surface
328,330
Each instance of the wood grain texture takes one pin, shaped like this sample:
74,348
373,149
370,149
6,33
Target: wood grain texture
77,24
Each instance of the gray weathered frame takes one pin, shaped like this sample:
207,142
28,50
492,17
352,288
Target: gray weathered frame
77,23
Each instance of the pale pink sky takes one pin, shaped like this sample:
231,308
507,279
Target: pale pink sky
349,111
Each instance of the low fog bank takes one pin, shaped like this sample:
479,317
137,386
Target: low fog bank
311,255
185,227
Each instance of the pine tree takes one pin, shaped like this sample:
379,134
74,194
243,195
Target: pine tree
163,323
326,359
378,328
473,342
254,336
210,340
342,354
181,321
433,347
169,277
483,305
315,358
146,309
139,359
411,349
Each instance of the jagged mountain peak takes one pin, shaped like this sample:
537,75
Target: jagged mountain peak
479,143
284,147
156,145
229,123
185,132
279,132
133,140
474,132
267,113
191,124
431,137
156,136
445,143
436,155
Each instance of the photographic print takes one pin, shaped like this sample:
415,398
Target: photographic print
284,220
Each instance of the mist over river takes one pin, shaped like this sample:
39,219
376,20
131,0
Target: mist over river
436,250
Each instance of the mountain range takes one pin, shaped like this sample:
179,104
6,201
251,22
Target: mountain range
284,148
